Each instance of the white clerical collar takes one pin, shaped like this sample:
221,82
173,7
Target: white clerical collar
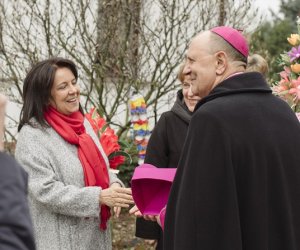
234,74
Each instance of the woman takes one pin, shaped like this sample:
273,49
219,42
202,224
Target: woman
256,63
70,187
165,145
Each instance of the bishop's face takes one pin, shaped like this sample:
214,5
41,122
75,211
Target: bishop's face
201,65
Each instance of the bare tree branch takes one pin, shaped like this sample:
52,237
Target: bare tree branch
119,46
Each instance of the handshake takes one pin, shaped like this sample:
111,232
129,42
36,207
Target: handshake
160,218
117,197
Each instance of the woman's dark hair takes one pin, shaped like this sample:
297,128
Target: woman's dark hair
37,89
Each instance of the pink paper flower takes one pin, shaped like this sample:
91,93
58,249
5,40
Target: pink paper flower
294,53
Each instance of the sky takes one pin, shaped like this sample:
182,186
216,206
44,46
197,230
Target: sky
274,4
265,5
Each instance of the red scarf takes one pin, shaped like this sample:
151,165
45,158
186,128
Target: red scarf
71,129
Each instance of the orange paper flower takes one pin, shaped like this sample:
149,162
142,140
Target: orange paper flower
294,39
295,68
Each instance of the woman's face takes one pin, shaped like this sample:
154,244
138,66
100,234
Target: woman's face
189,98
65,92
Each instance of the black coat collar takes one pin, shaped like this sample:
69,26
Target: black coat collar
251,82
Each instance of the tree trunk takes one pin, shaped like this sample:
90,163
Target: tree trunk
118,27
222,13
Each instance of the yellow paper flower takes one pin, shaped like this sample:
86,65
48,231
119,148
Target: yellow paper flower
295,68
294,39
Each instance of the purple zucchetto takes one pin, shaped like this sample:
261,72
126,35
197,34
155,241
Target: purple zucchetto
233,37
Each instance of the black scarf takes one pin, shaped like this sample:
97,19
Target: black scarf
180,109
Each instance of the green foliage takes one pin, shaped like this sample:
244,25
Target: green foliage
270,41
270,38
126,169
290,9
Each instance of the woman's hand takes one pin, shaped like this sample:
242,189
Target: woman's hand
117,210
116,196
135,211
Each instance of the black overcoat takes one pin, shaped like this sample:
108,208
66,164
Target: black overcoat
16,232
164,150
237,185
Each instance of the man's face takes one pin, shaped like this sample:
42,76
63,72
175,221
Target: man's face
201,65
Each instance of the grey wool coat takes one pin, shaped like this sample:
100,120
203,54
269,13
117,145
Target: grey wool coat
65,213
